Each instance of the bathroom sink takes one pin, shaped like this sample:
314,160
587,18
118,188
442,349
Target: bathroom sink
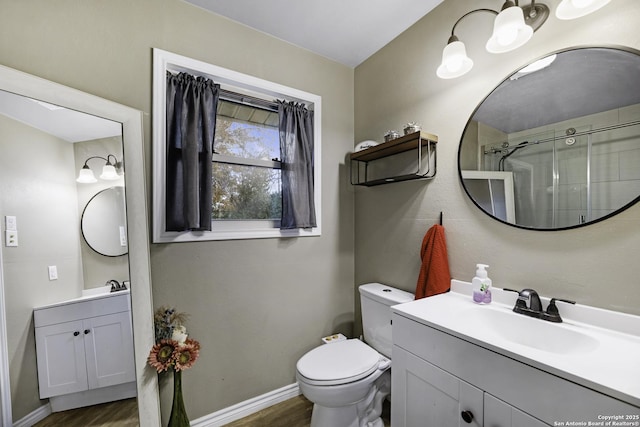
592,347
100,290
535,333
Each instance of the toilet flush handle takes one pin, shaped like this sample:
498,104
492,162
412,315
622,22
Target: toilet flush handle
383,363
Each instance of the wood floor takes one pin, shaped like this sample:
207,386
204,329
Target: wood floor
295,412
123,413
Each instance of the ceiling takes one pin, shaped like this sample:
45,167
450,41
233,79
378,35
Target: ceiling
68,125
578,83
346,31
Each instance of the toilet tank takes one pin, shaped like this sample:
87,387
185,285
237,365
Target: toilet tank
376,300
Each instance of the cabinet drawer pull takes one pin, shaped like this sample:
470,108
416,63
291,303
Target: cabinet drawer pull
467,416
76,333
86,331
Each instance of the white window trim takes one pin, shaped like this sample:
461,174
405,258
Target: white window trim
164,61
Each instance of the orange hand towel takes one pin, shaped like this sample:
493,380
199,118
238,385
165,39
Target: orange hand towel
434,275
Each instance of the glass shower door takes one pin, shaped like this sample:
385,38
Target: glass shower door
572,181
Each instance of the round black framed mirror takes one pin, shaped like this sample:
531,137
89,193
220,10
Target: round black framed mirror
104,223
557,144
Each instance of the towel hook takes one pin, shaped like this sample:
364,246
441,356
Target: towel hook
440,217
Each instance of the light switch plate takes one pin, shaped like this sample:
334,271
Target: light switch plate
11,238
123,236
53,272
10,223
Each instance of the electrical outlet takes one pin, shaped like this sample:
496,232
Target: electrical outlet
11,238
53,272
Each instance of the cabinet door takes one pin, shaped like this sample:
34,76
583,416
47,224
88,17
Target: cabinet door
424,395
500,414
109,350
61,359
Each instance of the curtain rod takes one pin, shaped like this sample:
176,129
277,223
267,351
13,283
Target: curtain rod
251,101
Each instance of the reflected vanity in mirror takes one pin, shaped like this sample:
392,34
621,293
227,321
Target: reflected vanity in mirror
39,188
557,144
104,223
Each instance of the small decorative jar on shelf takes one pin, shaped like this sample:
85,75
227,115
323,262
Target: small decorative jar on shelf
391,135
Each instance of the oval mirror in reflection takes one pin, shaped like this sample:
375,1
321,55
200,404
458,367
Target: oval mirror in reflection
104,223
557,144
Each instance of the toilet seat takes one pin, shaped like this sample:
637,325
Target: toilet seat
340,363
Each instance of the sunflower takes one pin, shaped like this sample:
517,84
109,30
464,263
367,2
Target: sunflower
162,355
186,355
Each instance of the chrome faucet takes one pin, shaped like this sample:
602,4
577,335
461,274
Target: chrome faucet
528,303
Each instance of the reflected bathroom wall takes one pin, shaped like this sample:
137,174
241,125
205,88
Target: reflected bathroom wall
38,186
98,268
571,172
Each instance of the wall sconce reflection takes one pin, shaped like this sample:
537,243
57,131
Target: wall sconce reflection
111,170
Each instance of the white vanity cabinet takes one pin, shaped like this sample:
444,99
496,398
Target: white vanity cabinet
84,351
425,395
500,414
436,376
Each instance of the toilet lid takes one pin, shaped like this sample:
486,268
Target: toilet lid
342,361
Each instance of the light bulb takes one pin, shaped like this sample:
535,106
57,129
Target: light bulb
507,35
454,64
581,3
572,9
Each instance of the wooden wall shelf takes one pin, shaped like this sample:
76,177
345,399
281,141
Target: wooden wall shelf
418,141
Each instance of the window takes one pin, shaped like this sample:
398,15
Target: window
246,161
246,187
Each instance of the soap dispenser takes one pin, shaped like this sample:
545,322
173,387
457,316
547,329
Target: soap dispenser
481,285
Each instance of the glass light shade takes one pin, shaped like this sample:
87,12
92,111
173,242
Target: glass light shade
455,61
509,31
86,176
109,173
572,9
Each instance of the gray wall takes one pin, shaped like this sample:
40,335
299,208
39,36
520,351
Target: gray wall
257,305
37,185
596,265
96,268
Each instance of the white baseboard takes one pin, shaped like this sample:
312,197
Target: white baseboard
38,415
248,407
216,419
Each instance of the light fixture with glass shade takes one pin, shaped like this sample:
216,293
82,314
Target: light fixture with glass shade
509,30
513,26
455,61
572,9
110,170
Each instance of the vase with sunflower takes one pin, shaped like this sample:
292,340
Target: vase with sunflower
173,351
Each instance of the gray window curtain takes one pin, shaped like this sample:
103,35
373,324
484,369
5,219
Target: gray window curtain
296,149
191,125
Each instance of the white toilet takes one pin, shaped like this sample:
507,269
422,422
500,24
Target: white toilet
348,380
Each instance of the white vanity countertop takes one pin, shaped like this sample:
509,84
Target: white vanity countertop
91,294
596,348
